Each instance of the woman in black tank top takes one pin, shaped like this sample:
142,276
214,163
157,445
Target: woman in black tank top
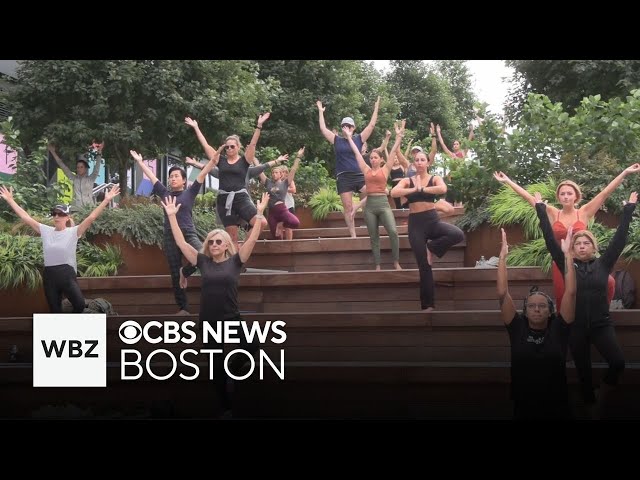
425,228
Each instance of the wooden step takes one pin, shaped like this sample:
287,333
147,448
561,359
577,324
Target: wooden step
336,219
331,254
337,291
336,232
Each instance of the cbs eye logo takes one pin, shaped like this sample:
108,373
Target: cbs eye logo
130,332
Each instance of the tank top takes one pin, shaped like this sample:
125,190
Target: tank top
375,183
421,196
560,231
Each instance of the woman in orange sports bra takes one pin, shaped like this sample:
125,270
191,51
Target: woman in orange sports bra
568,194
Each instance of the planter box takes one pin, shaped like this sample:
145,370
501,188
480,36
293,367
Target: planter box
142,260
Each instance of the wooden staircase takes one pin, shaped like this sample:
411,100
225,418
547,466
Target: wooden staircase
357,346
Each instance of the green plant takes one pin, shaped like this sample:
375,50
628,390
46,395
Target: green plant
323,202
94,261
506,207
21,261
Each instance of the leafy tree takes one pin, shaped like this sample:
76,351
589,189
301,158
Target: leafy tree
346,88
29,180
569,81
425,95
138,104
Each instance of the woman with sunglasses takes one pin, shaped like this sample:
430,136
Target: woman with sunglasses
59,245
539,340
348,175
220,265
233,197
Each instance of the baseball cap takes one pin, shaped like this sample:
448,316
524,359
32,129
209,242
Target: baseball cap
61,208
348,121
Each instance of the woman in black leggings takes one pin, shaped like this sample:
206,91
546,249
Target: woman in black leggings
424,225
59,248
593,323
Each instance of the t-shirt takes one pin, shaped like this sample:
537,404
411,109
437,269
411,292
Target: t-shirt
345,158
277,190
186,198
59,246
219,292
538,367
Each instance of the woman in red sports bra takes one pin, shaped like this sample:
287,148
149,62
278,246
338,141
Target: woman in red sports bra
568,194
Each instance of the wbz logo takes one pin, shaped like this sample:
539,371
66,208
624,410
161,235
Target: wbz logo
69,350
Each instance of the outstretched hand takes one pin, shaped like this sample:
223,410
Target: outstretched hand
633,168
633,198
319,105
501,177
347,132
262,204
112,193
538,197
263,118
170,206
136,156
504,250
189,121
6,193
565,243
300,152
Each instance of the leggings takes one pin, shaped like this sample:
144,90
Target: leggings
174,259
59,280
235,364
279,213
604,339
376,212
426,229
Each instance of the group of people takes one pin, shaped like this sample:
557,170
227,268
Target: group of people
540,336
583,289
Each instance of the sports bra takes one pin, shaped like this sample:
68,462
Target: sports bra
421,196
560,231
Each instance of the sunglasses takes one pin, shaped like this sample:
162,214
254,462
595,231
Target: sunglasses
218,241
58,214
227,147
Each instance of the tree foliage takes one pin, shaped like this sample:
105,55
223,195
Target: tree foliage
569,81
139,104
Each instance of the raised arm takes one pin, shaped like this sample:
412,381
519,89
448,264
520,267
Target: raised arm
190,253
507,308
250,152
145,168
368,130
7,194
442,144
247,247
208,149
328,134
402,160
86,223
394,150
96,167
354,148
60,163
502,178
434,144
568,307
547,232
296,164
385,142
594,205
619,240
